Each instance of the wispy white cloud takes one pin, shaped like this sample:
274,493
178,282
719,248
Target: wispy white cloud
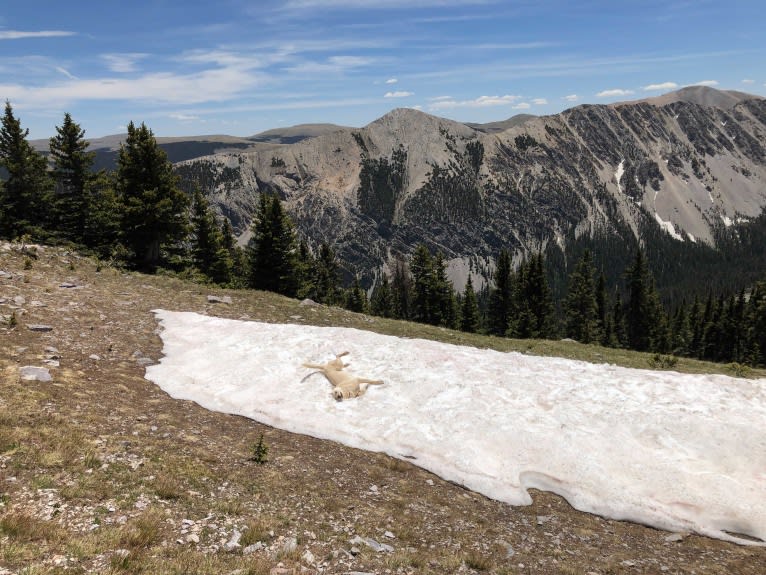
480,102
65,72
661,86
522,106
123,63
539,101
332,65
571,98
614,93
391,81
184,117
399,94
21,34
748,81
706,83
213,85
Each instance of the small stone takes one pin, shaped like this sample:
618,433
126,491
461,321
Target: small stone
67,285
674,537
233,543
430,481
290,545
389,535
250,549
374,488
19,300
94,357
39,327
192,538
309,303
218,299
32,373
308,557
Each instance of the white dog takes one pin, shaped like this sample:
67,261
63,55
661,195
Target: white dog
344,384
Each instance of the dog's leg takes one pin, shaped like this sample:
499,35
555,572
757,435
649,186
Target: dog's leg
370,381
314,366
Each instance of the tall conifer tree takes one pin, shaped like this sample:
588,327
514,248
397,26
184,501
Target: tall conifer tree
72,173
24,196
154,213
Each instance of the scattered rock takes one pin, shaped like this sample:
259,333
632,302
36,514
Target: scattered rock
32,373
371,543
233,543
674,537
192,538
19,300
389,535
39,327
95,357
68,285
250,549
308,557
5,275
216,299
309,303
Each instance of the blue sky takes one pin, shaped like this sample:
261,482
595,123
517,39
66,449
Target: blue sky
240,67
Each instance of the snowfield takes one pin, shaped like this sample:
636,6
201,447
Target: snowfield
678,452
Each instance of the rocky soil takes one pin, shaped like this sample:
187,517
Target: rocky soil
102,472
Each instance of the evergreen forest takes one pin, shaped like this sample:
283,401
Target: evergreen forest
136,216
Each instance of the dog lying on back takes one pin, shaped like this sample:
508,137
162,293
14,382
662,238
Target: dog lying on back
345,385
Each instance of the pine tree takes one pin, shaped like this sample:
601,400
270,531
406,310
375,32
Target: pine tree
639,313
444,305
582,313
237,255
24,196
421,267
154,216
401,290
209,254
469,316
72,172
539,300
324,277
101,231
618,323
273,249
356,298
382,300
500,306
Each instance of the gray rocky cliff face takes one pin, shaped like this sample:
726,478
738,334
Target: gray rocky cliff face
680,162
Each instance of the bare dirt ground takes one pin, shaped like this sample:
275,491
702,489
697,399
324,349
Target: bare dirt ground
102,472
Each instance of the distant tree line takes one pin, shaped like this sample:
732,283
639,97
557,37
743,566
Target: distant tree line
138,216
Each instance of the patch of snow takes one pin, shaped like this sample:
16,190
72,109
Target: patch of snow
727,221
618,174
692,239
675,451
709,195
668,227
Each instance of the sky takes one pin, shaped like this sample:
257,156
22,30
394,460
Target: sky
240,67
675,451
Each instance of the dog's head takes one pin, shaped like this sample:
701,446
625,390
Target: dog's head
337,393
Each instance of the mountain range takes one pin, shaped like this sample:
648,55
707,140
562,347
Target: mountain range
689,164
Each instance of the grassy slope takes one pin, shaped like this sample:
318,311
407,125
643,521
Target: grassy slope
102,472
